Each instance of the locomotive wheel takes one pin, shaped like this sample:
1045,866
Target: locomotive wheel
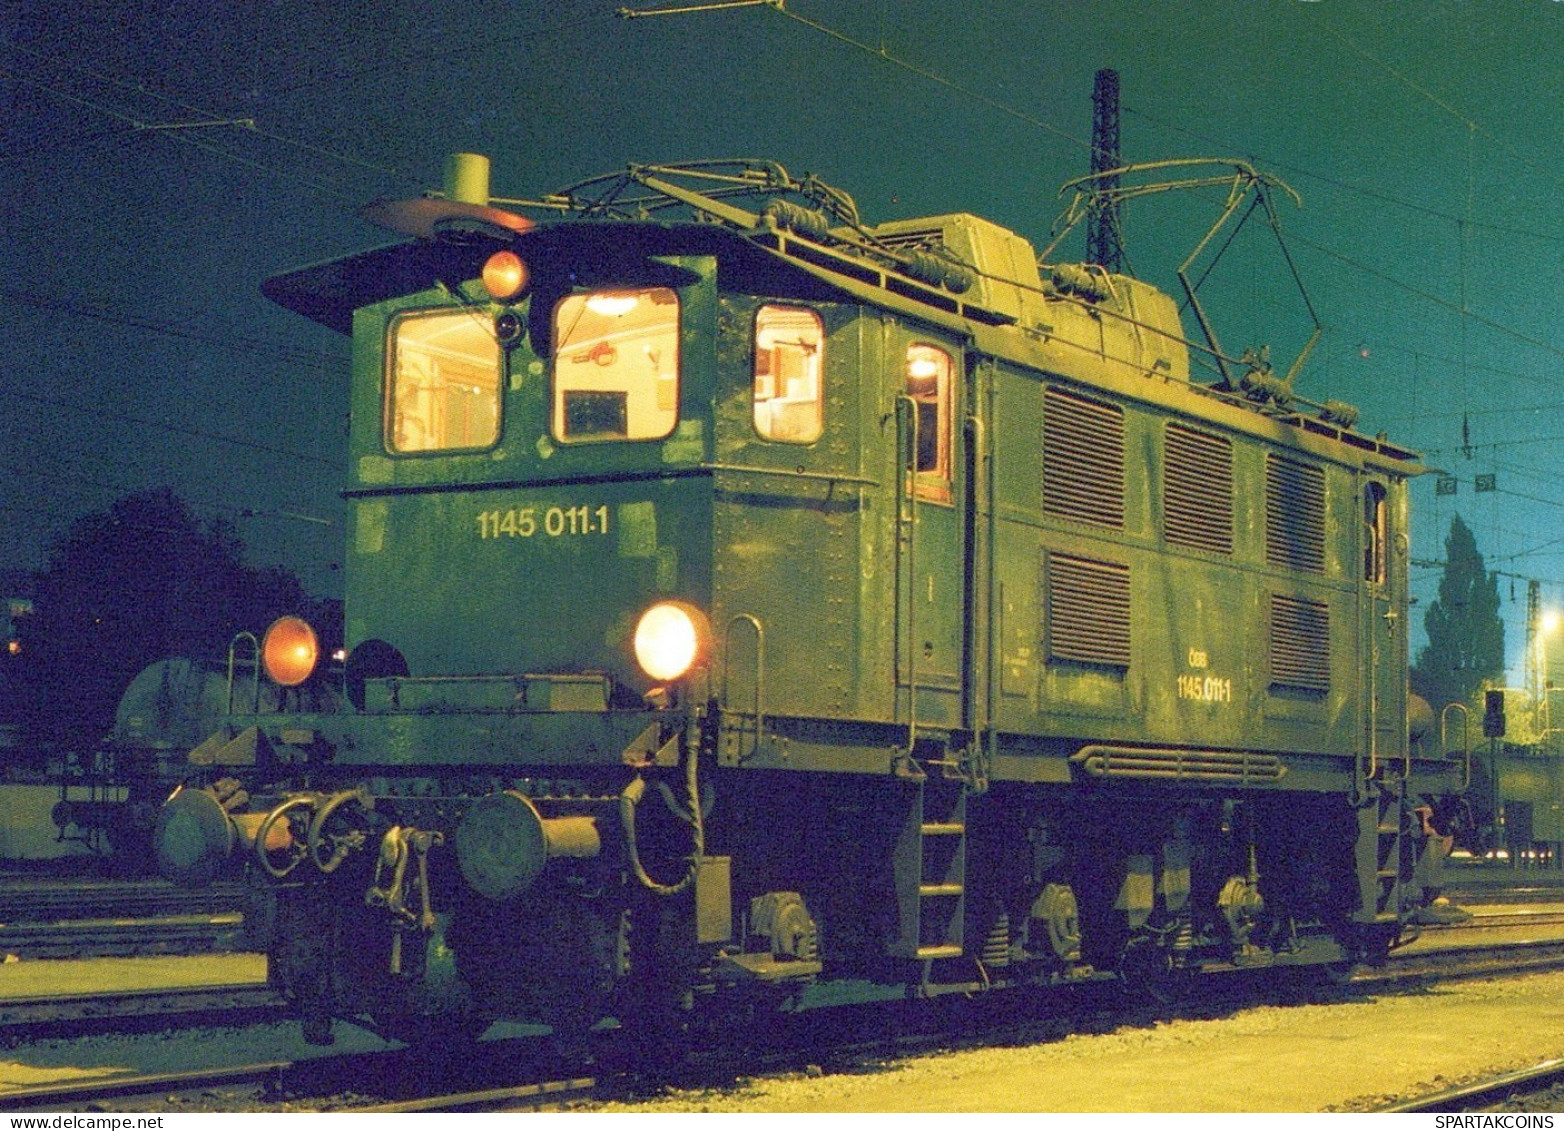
259,908
440,1033
1374,946
1336,973
1148,969
1318,982
651,995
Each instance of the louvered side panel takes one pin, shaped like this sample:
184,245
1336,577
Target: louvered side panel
1197,492
1294,515
1088,611
1083,459
1300,645
914,239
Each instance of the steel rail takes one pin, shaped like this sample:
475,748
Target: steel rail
268,1075
489,1099
101,1011
1482,1093
102,938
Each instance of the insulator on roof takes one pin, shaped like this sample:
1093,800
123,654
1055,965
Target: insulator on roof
787,216
1339,412
938,271
1081,281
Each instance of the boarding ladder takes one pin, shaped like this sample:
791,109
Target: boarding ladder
1384,850
931,869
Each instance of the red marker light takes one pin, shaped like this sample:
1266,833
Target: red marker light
289,651
505,276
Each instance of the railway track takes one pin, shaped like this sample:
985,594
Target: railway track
391,1080
43,901
69,1015
1523,888
118,938
488,1099
400,1080
68,917
117,919
254,1082
1537,1088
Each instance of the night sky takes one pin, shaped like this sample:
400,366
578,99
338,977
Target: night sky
160,158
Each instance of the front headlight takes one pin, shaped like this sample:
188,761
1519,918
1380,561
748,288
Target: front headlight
671,638
289,651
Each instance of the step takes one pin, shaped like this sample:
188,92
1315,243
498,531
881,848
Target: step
943,828
944,951
929,891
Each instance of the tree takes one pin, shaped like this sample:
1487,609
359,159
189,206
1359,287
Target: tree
140,582
1465,634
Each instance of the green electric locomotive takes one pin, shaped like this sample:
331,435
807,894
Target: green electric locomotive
748,602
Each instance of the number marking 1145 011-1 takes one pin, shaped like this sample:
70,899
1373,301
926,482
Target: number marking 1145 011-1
550,522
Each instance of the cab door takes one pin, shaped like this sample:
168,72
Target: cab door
927,377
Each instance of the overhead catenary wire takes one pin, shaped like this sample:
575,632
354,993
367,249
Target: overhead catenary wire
121,490
236,343
1466,121
179,130
880,52
1380,196
164,426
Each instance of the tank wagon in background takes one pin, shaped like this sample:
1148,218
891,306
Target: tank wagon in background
748,602
110,795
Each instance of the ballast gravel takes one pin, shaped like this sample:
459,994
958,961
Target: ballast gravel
1353,1055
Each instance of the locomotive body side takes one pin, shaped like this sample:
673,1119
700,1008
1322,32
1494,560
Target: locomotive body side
1003,654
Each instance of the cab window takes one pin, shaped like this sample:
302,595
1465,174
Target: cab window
789,361
928,385
443,387
616,365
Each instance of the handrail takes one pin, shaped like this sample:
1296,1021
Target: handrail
1466,746
255,670
792,473
1369,642
907,440
760,668
983,503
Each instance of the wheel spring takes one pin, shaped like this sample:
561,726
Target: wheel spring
996,946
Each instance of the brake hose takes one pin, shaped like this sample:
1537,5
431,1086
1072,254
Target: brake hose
631,797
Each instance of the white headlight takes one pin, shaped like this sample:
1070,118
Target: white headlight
670,639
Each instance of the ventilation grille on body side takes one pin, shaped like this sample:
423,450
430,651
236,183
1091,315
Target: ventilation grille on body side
1088,606
1083,459
1197,490
1294,515
1300,645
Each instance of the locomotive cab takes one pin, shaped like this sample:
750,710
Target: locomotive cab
490,479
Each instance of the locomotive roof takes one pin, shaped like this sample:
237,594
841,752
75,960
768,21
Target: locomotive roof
975,278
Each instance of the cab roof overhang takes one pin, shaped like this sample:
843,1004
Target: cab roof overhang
593,252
